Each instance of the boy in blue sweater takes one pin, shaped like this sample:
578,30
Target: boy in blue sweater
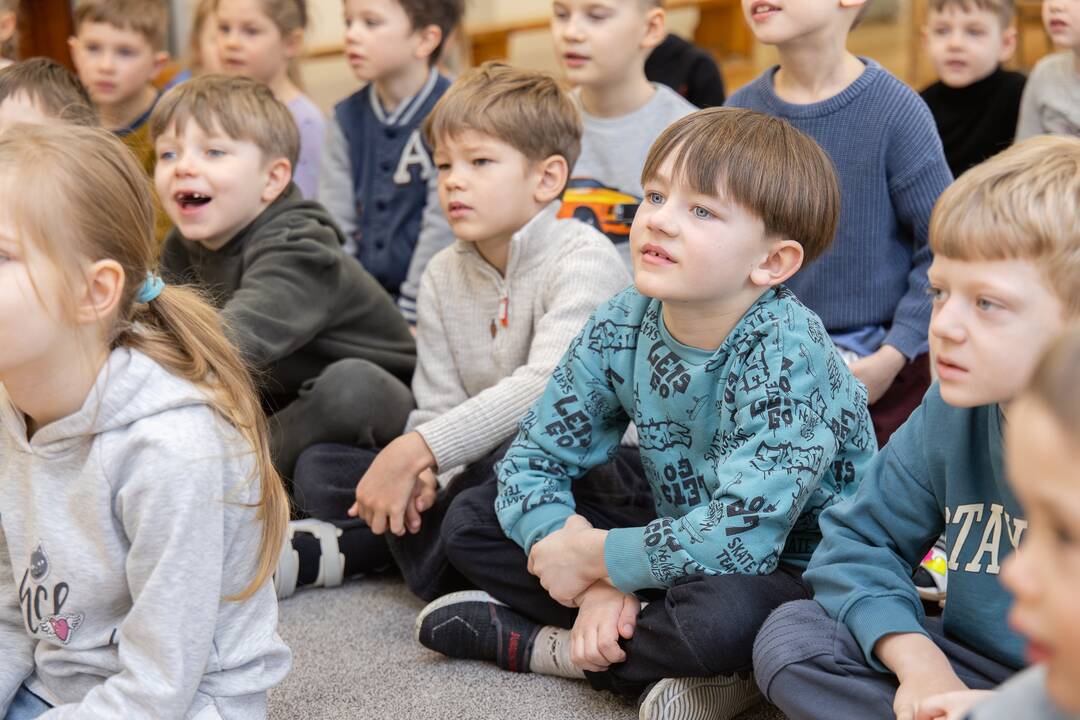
749,425
377,177
870,288
1005,278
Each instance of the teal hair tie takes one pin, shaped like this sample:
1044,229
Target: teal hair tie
151,288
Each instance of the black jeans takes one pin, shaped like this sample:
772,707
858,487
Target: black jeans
703,625
325,487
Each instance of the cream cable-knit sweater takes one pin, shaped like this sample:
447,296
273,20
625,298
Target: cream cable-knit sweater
480,365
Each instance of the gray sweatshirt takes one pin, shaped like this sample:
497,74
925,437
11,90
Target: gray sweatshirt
487,343
613,150
1051,101
124,527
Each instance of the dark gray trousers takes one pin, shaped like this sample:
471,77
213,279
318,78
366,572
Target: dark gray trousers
352,401
810,666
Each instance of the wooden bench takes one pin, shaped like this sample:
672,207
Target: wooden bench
721,30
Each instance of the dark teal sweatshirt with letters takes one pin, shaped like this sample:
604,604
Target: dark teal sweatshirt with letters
942,471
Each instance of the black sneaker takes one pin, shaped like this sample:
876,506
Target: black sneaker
475,626
699,698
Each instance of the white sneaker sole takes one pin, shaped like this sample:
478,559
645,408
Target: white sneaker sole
716,698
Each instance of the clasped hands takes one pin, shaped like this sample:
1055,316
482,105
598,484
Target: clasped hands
398,487
570,565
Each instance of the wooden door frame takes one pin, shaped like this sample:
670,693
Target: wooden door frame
44,29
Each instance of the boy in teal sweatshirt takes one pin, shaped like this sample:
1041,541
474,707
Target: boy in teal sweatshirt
748,421
1005,278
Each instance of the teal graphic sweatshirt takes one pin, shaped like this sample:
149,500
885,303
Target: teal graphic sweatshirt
942,471
743,446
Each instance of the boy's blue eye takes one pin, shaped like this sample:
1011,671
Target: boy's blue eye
985,305
702,213
654,198
167,155
215,153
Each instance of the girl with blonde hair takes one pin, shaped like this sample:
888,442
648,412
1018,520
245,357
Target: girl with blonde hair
140,515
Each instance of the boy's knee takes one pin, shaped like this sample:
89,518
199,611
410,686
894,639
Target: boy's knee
311,487
792,634
470,513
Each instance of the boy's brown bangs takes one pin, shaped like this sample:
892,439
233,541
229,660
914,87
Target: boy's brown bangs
758,162
239,108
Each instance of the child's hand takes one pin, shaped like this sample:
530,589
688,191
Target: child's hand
921,667
392,493
878,370
606,614
917,689
951,706
569,560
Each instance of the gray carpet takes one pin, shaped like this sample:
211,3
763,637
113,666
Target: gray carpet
354,657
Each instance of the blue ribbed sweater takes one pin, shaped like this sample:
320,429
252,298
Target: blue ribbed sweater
888,156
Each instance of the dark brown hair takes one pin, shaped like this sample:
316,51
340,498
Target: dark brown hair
445,14
762,164
50,86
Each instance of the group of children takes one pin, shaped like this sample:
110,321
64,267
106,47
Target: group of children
681,443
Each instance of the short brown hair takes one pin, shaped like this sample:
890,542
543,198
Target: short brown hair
50,86
240,107
446,14
1004,9
149,18
1022,204
760,163
529,110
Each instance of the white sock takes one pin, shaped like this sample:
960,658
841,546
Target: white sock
551,654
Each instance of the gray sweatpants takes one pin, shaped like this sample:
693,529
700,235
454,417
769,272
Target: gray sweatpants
352,402
810,666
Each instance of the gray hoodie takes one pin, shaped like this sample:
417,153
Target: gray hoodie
123,530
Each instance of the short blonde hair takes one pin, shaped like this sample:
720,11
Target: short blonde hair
1022,204
240,107
1004,9
526,109
149,18
760,163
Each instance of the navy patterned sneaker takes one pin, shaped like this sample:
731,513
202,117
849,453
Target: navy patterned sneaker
475,626
715,698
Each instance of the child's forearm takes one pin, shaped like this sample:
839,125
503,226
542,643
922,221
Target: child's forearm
911,655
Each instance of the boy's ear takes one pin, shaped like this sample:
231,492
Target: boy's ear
161,58
101,295
553,172
1008,43
784,260
655,28
294,43
430,36
852,3
278,177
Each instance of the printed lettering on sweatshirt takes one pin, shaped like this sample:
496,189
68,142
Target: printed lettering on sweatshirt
986,528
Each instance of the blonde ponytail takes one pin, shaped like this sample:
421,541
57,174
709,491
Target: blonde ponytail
91,201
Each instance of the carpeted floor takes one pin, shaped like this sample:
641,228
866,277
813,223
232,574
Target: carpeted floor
354,657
